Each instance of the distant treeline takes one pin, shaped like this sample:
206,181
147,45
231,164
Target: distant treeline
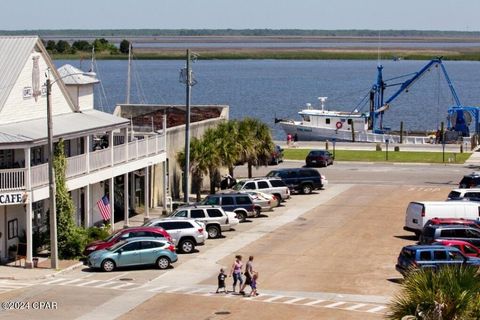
242,32
101,46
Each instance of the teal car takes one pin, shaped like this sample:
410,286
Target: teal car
134,252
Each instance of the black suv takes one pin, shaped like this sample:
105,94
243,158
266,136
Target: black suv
240,203
471,180
320,158
302,180
450,232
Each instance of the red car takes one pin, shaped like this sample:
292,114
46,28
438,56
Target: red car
465,222
124,234
467,248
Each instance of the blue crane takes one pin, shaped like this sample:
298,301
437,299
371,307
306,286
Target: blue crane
456,114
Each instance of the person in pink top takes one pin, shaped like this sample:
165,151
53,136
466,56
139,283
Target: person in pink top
236,272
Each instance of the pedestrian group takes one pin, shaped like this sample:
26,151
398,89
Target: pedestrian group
251,277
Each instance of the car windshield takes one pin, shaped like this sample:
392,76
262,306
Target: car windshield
238,185
112,236
117,245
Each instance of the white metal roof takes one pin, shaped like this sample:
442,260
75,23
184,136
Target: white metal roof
65,125
14,52
77,76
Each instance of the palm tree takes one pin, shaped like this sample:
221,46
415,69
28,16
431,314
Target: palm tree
449,293
228,146
256,141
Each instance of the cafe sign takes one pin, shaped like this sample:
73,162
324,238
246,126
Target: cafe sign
13,198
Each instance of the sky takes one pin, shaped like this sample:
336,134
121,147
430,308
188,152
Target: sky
459,15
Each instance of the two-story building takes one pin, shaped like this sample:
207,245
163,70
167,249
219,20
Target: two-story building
103,159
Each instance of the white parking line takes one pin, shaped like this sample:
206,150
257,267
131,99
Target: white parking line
104,284
176,290
54,281
86,283
294,300
376,309
123,285
69,282
336,304
311,303
117,276
158,289
195,291
356,306
273,298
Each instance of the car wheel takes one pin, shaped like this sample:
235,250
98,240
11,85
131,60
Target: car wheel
163,263
213,232
242,216
306,188
325,163
276,162
257,211
278,200
108,265
187,246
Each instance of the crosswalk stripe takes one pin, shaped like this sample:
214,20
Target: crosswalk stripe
311,303
104,284
195,291
273,298
176,290
16,283
69,282
376,309
336,304
123,285
11,286
356,306
293,300
158,289
55,281
86,283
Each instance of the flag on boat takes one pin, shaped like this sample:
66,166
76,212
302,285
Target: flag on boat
104,207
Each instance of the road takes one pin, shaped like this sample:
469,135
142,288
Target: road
328,255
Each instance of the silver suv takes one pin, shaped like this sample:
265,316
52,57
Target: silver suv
215,218
185,233
274,186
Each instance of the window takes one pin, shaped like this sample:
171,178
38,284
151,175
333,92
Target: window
263,185
6,159
472,233
227,201
425,256
125,235
12,229
439,255
250,186
39,215
139,234
455,194
306,118
457,256
327,120
244,200
448,233
214,213
197,213
469,250
132,246
166,225
154,234
277,183
182,214
151,244
212,201
36,156
349,121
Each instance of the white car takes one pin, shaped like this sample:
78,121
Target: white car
271,185
262,201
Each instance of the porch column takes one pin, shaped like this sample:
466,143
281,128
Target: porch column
110,145
164,187
112,201
88,208
125,141
29,211
86,147
146,187
125,200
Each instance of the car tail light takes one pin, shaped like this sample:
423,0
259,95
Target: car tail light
171,248
423,212
268,202
200,230
227,222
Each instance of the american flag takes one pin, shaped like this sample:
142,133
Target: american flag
104,206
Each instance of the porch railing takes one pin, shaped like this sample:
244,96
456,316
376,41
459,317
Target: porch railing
12,179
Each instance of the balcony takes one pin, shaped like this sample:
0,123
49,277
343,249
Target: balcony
16,179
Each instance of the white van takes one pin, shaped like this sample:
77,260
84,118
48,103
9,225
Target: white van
418,213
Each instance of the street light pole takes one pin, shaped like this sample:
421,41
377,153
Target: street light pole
187,131
51,182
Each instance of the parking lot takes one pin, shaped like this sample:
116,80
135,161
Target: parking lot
328,255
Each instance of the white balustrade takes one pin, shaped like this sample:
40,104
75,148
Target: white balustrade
100,159
119,154
132,150
12,179
76,165
152,145
39,175
142,148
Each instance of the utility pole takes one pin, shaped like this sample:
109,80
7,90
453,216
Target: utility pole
129,72
188,86
51,183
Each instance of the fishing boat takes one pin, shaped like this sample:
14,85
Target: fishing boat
323,124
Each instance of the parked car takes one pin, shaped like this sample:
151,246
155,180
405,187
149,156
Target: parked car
320,158
240,203
431,257
262,201
450,232
460,221
277,155
472,193
272,185
466,248
215,219
419,212
124,234
471,180
186,233
303,180
134,252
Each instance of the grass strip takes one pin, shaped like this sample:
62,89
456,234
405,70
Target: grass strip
381,156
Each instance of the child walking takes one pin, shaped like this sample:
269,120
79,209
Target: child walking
253,285
221,281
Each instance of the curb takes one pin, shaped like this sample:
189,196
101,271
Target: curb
46,276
